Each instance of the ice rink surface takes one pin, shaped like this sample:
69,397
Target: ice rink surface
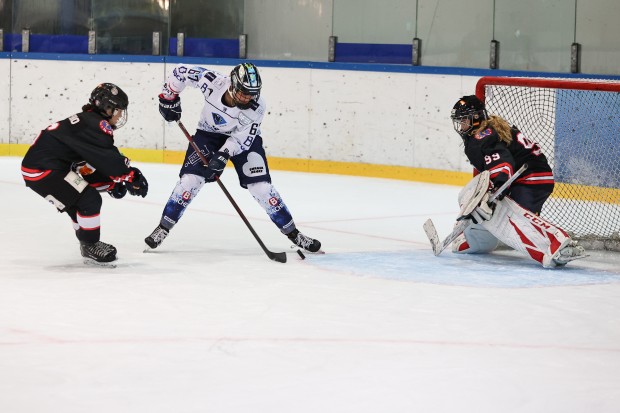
207,323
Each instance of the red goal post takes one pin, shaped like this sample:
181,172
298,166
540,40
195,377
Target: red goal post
577,124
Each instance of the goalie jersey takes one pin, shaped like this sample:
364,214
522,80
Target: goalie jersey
486,151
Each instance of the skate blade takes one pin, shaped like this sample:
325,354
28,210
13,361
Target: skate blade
306,252
148,248
93,263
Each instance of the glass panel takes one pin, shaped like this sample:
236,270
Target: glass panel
288,30
455,32
371,21
214,19
51,17
6,15
535,35
598,32
127,26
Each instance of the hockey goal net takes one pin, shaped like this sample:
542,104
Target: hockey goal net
577,124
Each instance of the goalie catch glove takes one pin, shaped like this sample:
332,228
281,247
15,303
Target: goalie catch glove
484,211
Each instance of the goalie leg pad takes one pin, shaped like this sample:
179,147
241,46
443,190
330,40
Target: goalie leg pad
526,232
474,240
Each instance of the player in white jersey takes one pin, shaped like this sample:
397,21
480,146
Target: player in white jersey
229,129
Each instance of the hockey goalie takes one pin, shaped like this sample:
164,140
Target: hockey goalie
496,149
504,220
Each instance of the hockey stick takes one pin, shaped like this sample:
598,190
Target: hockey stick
431,231
275,256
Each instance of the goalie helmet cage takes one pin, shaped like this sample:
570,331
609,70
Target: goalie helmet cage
576,122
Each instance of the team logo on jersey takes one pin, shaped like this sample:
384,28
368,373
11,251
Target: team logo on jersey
105,126
219,120
483,134
244,120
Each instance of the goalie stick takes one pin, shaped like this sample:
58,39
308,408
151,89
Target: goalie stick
431,231
275,256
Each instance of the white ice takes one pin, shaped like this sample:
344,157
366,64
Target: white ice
207,323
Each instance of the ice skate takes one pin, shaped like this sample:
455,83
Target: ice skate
570,252
303,241
98,253
158,236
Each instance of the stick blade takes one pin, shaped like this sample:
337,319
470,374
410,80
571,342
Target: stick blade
433,237
277,256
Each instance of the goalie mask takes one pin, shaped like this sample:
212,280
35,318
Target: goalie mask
245,85
467,115
108,99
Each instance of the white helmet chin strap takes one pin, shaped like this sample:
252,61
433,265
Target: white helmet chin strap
231,94
235,101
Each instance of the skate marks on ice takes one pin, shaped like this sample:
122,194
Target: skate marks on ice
499,269
83,267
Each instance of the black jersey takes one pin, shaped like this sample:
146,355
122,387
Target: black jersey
486,151
86,136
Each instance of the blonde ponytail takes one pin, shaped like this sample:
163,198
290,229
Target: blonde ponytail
501,127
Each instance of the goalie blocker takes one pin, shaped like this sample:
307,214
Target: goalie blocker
512,224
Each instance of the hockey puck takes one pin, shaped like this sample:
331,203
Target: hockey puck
301,254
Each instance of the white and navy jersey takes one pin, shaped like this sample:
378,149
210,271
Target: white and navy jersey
240,125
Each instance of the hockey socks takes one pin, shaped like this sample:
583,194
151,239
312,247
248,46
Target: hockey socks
185,190
269,198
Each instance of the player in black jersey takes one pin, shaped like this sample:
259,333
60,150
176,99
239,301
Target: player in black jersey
493,145
71,160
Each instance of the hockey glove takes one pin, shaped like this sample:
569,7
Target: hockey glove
138,186
497,183
484,211
170,109
118,191
216,165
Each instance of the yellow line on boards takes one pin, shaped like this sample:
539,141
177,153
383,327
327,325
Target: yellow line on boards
435,176
297,165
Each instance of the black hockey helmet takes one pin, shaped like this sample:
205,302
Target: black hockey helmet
468,109
108,96
244,78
